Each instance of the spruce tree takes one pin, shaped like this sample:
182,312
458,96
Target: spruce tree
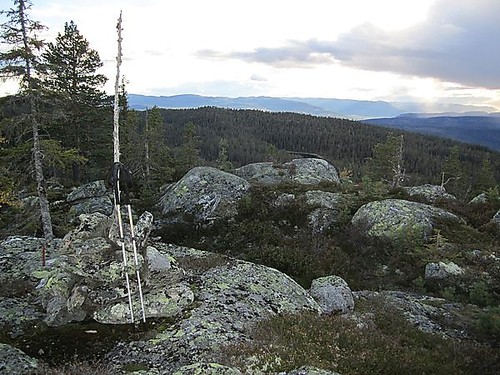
71,75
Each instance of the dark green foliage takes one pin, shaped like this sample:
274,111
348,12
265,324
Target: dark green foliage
80,112
488,324
387,161
386,343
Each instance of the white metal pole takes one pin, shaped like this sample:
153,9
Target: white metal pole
136,260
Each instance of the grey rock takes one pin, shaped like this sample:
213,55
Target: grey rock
20,258
206,369
399,220
479,199
309,370
91,226
429,314
202,196
15,362
307,171
18,316
442,270
496,219
157,262
327,209
142,228
90,190
332,294
431,193
166,303
230,296
102,205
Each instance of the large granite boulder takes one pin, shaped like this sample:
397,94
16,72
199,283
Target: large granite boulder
430,193
230,296
15,362
203,196
89,198
307,171
399,220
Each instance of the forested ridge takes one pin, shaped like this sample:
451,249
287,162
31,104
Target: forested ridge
253,135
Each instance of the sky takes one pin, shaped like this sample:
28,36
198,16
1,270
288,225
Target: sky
428,51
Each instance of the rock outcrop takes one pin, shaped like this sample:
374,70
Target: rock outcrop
203,196
399,220
231,296
307,171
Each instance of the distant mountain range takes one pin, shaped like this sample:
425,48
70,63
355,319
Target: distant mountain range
349,108
480,130
470,124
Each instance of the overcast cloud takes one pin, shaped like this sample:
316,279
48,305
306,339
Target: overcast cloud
458,42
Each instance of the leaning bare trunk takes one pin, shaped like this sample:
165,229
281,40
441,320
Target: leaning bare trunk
37,150
116,110
40,181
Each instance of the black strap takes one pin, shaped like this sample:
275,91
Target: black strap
120,180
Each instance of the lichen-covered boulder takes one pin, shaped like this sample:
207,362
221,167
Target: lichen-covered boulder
206,369
399,220
89,190
327,207
20,257
165,303
142,229
442,270
428,314
431,193
309,370
15,362
307,171
230,296
203,196
496,219
90,226
89,198
332,294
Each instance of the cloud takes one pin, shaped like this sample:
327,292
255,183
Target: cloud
258,78
458,42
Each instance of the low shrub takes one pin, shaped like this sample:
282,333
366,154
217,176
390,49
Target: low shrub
379,341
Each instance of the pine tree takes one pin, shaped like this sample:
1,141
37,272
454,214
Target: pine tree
486,177
189,153
387,161
21,61
223,162
453,175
